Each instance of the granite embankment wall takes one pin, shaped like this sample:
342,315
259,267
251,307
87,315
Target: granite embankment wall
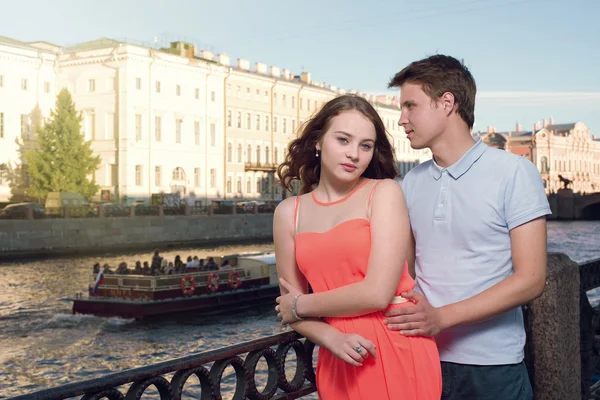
32,238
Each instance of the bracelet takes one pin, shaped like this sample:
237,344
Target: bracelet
294,312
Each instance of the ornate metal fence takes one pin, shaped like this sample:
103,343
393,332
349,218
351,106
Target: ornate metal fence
273,349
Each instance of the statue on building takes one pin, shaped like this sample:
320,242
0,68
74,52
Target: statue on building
566,182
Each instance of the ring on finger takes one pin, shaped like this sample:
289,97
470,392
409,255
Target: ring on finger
358,349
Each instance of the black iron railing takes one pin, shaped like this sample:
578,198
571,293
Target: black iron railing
589,273
273,349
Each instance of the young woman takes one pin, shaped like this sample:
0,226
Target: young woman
348,235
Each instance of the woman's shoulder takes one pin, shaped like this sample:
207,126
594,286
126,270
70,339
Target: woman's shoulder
386,187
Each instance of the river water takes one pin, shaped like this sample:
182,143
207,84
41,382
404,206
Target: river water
43,345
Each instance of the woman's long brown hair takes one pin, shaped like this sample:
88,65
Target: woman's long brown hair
301,162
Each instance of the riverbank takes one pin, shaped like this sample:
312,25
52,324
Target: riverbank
23,239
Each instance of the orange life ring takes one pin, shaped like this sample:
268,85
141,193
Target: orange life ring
213,282
188,285
234,280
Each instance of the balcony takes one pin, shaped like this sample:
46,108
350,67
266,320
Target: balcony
258,166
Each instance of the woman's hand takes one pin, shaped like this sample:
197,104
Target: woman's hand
352,348
285,302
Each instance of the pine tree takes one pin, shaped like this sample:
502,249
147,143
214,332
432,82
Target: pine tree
62,159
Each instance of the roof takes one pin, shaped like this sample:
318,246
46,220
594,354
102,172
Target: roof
560,128
96,44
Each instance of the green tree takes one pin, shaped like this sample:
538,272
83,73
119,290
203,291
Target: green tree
62,160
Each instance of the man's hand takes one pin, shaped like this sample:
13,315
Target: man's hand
420,319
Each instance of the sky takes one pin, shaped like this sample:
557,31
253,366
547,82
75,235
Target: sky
531,59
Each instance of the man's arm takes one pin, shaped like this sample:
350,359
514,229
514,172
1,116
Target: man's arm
525,207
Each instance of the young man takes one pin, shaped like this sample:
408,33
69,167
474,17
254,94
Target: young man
478,222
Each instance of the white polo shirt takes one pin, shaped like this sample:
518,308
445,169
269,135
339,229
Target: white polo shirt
461,217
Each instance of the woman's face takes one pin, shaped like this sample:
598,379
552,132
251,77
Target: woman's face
347,146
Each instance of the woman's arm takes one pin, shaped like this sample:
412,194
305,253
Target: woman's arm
317,331
390,239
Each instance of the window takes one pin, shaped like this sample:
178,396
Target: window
249,185
178,123
257,122
283,100
275,99
239,184
178,90
239,89
1,81
23,84
91,85
25,133
213,135
239,119
274,124
46,87
229,151
249,154
1,125
266,96
239,153
157,176
293,126
258,185
138,127
213,96
275,155
197,177
157,86
308,104
257,94
197,133
293,102
267,123
258,154
247,93
267,155
158,129
228,184
138,83
196,93
213,177
248,121
138,175
228,117
285,125
178,174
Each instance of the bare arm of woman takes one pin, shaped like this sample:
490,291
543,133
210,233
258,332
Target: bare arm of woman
390,240
317,331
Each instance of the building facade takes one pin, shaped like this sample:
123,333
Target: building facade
567,155
173,120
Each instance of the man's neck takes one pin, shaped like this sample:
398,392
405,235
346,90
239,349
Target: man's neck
451,146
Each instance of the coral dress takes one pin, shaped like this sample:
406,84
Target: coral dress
406,368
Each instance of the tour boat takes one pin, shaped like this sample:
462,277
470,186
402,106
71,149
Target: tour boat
250,280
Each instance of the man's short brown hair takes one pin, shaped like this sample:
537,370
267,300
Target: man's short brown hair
439,74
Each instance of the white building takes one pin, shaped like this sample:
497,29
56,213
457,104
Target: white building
170,120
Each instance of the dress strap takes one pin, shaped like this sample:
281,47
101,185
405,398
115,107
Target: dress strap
296,213
370,196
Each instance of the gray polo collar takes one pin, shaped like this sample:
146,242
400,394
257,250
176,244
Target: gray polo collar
460,167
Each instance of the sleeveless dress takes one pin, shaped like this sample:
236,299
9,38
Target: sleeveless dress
406,368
